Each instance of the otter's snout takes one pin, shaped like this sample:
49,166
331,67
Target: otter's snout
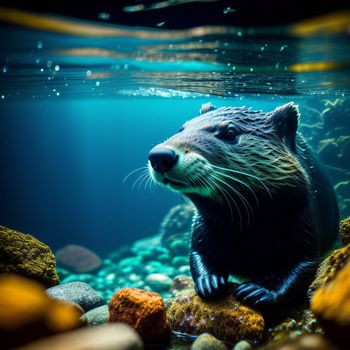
162,158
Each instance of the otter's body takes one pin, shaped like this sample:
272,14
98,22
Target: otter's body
265,211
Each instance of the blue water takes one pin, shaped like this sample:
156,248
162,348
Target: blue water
64,162
79,113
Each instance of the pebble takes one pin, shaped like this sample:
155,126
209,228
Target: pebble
159,282
208,342
96,316
105,337
77,292
242,345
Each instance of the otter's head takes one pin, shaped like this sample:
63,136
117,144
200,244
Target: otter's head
232,154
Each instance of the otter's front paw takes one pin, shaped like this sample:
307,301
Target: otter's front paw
211,286
255,295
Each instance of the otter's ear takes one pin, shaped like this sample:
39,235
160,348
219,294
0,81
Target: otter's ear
285,122
206,107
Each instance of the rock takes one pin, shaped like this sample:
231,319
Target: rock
302,322
180,261
207,342
175,229
344,229
329,268
181,283
159,282
179,246
103,337
96,316
331,305
144,311
25,255
28,313
78,258
121,253
77,292
242,345
146,244
226,319
305,342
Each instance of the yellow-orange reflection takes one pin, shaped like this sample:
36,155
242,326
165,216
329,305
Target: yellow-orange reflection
317,66
329,24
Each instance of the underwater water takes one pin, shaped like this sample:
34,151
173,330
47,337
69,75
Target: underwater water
82,104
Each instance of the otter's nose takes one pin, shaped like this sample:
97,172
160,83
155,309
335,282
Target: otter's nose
162,158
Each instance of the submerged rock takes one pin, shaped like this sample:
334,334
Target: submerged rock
97,316
345,231
104,337
77,292
331,305
303,322
305,342
159,282
181,283
329,268
23,254
143,311
226,319
175,229
242,345
27,313
78,258
207,342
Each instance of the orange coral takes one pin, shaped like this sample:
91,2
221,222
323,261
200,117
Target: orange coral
331,305
226,319
28,313
144,311
344,229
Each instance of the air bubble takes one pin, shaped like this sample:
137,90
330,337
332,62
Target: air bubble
39,44
57,68
5,69
88,73
97,83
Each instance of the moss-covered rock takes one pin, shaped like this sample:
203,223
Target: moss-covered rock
344,229
23,254
329,268
225,319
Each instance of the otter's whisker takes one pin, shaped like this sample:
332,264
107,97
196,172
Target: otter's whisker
148,182
241,182
144,181
134,171
141,177
244,174
244,201
224,192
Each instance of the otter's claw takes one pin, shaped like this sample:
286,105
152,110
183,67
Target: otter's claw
211,286
255,295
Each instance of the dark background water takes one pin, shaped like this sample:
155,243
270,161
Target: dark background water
63,164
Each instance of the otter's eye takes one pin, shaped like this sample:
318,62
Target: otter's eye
181,129
228,134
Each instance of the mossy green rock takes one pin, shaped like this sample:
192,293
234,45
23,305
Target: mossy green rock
23,254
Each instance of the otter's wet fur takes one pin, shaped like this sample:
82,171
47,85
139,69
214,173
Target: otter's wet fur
265,211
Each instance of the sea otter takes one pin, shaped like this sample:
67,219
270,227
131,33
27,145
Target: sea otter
265,211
